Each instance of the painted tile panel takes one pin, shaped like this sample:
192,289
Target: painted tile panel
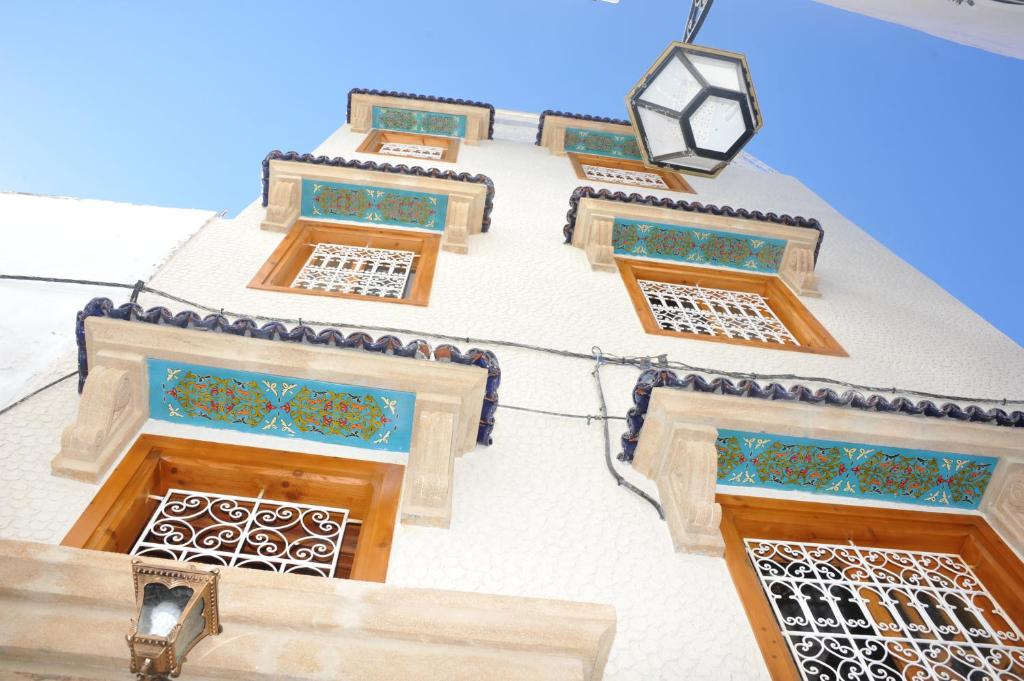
848,469
424,122
697,246
374,205
601,143
251,402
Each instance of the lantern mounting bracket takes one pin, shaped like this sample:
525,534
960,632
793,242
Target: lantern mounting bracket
698,13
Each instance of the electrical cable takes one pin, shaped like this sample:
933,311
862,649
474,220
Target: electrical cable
35,392
621,481
642,362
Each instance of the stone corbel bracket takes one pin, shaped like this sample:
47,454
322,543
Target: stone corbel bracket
677,450
479,116
470,198
593,215
115,399
300,627
551,132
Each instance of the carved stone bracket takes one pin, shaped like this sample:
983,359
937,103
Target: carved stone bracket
467,201
595,218
1004,505
115,400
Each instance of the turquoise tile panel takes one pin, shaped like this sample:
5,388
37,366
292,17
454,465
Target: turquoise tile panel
374,205
267,404
424,122
847,469
699,246
601,143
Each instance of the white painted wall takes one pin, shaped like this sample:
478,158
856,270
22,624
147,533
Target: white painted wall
537,514
988,25
57,236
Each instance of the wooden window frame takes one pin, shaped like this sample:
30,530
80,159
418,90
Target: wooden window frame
812,336
378,138
675,181
970,536
124,504
291,254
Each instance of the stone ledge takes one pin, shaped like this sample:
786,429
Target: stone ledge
67,610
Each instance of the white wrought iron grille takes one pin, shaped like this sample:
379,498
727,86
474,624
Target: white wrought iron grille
850,612
414,150
714,312
620,176
220,529
356,269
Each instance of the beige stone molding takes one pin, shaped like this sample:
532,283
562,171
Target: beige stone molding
66,611
115,402
595,219
1004,505
466,200
478,118
553,136
677,450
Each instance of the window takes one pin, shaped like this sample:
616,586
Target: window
866,593
412,145
723,306
626,171
240,506
348,261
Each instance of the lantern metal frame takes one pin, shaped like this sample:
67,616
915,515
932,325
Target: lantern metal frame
156,657
751,117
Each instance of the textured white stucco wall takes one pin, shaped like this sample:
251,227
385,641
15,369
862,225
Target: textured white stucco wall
537,513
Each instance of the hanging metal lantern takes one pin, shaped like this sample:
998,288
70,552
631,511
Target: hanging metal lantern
694,109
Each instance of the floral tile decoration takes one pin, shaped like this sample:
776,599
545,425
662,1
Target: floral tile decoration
847,469
424,122
278,405
323,200
697,246
600,143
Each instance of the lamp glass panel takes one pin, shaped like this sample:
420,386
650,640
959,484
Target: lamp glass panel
673,88
664,133
723,73
717,124
191,629
161,608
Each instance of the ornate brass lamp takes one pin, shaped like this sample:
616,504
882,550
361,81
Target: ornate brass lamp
694,109
177,608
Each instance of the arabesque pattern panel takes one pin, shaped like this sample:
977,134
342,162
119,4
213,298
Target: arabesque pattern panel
252,402
323,200
848,469
697,246
428,122
599,143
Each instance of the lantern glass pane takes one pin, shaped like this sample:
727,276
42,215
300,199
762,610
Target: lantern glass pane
673,88
664,134
161,608
717,124
191,629
723,73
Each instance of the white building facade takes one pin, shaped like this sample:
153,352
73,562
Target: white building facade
504,543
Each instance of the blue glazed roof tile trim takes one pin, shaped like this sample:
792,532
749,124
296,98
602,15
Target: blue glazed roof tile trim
658,378
277,331
401,169
686,206
578,117
421,98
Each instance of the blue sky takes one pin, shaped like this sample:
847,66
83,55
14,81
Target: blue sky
914,138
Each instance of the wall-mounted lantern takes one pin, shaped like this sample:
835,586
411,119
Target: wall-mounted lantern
694,109
176,609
